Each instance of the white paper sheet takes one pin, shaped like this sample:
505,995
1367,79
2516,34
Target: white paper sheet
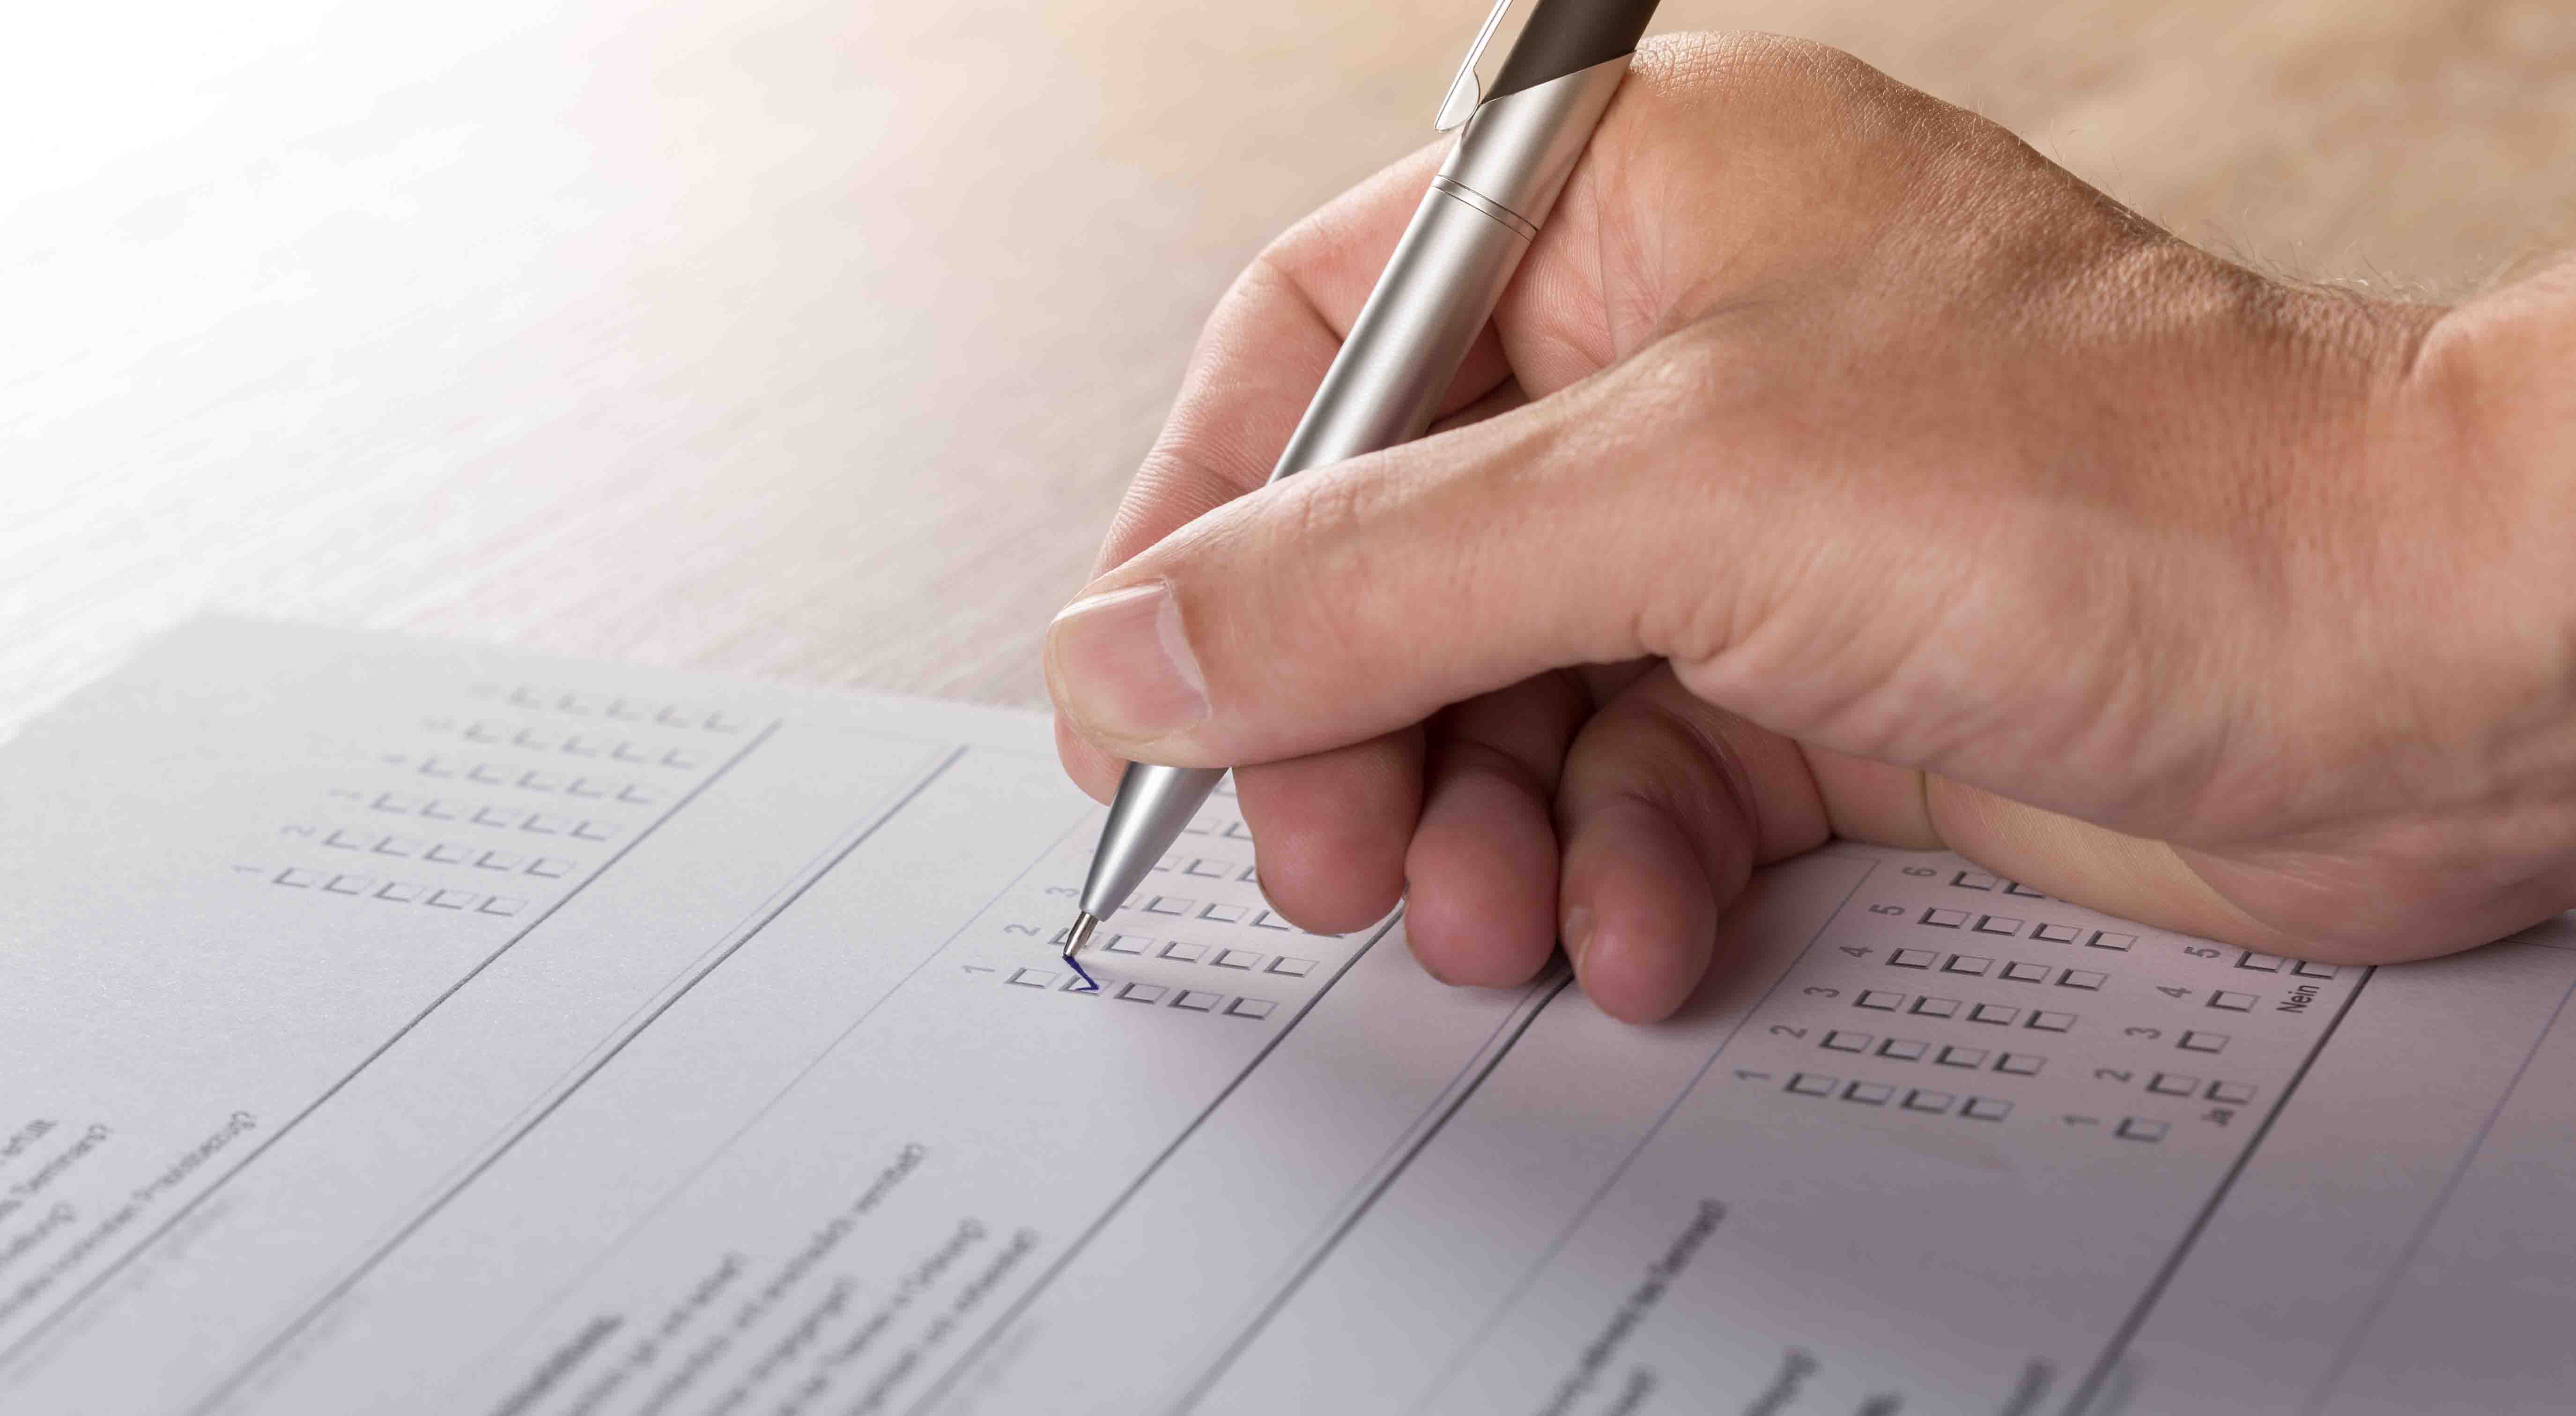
401,1027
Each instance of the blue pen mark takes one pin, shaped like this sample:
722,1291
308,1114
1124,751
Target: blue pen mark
1090,984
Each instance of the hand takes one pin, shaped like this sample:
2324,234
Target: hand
1837,465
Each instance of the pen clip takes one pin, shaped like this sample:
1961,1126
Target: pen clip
1466,91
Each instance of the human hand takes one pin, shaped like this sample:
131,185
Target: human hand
1836,464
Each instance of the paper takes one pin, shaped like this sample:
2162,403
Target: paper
400,1027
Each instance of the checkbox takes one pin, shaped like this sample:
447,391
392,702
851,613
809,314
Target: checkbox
2260,963
1250,1008
1205,869
547,824
402,802
1914,958
2015,887
499,860
400,892
488,731
1880,999
1986,1108
2232,1093
1937,1007
2172,1084
504,905
1999,1014
1079,989
1968,964
437,809
726,723
2233,1002
1142,992
499,816
1962,1057
2138,1128
1999,924
1810,1084
1843,1041
349,840
453,899
586,745
2082,978
2020,972
678,715
1904,1049
1186,953
629,710
1922,1099
449,853
1974,880
1267,920
490,774
549,868
1292,967
639,796
2020,1064
438,766
2104,939
2204,1042
1236,830
1946,919
542,739
1172,905
595,830
1167,861
2309,968
1197,1000
2051,1022
351,884
1226,914
1126,944
589,787
687,759
1199,828
1252,876
1868,1093
2057,933
632,752
542,781
1237,959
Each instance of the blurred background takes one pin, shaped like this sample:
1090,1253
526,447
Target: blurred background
816,340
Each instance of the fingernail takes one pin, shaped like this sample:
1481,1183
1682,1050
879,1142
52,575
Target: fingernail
1577,934
1123,665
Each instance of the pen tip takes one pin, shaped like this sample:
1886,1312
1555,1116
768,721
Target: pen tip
1083,925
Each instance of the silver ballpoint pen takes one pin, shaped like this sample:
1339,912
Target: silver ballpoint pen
1518,145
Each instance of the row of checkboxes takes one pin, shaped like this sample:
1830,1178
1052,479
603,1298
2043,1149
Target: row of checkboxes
1217,912
538,779
1188,1000
1980,880
449,853
2002,1015
1209,868
624,710
2266,963
1247,960
2178,1084
2011,926
400,892
1978,966
507,818
602,745
1231,830
1925,1099
1906,1049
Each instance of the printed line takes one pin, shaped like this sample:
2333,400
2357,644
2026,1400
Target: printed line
108,1274
2406,1258
367,1265
2099,1377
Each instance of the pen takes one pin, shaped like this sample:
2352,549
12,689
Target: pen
1517,146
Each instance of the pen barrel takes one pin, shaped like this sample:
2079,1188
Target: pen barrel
1153,805
1450,268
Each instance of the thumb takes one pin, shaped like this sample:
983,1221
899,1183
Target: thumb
1588,527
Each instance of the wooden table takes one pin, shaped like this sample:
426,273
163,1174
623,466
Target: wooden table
816,340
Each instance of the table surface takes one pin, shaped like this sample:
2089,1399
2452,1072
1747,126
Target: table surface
816,340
